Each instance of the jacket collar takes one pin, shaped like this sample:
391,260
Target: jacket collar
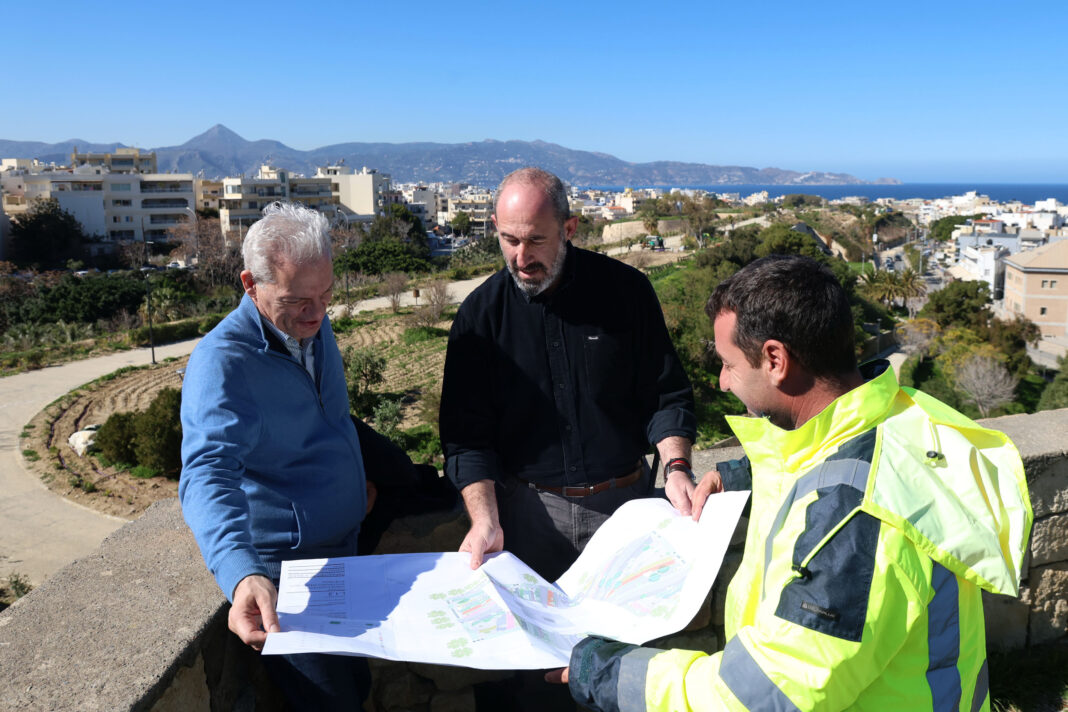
849,415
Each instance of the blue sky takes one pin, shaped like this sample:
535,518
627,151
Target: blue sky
924,92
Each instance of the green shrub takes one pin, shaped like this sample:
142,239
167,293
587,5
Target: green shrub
158,442
418,334
423,444
31,455
115,439
209,322
387,418
143,473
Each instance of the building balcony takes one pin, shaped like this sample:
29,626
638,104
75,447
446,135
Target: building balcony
165,203
165,189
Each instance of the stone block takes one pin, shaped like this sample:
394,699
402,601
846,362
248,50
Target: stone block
1047,482
1006,621
1049,540
1049,607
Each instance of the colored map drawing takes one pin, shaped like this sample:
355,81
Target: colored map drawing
540,593
479,614
625,579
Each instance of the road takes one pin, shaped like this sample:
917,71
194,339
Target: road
41,531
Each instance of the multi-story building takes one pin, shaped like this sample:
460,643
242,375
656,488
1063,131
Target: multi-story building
363,193
124,160
110,206
243,199
208,193
479,208
1036,286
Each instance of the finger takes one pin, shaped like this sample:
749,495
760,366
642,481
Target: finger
269,617
557,676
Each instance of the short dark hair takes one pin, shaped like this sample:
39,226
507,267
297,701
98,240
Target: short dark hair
795,300
552,186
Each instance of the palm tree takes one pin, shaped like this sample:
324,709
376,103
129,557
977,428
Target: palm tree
912,287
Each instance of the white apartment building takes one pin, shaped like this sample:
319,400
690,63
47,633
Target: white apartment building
111,206
362,193
123,160
479,208
243,199
984,264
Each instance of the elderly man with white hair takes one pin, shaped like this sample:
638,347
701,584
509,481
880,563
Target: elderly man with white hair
271,461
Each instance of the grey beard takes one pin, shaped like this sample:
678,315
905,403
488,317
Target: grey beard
533,289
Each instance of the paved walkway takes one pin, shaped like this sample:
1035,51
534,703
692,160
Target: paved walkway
41,532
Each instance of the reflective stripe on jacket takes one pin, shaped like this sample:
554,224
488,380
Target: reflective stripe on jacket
873,527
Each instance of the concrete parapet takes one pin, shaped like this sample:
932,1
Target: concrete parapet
141,625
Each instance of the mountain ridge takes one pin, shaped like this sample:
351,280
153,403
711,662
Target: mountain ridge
220,152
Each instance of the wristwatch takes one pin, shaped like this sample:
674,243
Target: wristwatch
679,464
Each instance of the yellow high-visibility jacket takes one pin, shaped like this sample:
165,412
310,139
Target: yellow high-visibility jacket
873,527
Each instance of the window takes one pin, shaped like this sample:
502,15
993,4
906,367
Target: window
121,203
1053,284
1042,311
120,187
1045,283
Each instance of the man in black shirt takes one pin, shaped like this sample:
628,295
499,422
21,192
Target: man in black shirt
559,374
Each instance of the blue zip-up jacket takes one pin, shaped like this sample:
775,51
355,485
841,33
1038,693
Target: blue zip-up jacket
271,463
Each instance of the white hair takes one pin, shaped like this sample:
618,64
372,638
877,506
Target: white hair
287,231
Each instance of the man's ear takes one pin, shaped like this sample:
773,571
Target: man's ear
777,361
570,226
248,283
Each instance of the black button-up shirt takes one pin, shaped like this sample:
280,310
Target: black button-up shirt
568,388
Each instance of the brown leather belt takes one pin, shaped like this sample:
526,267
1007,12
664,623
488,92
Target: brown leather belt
587,490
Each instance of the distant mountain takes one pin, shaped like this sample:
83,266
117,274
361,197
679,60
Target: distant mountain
220,152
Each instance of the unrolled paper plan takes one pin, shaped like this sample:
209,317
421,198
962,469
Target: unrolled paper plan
643,575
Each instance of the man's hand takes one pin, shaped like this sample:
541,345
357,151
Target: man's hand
372,495
680,491
482,538
253,611
711,483
485,535
558,676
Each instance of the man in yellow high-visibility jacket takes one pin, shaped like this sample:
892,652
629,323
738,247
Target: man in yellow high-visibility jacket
878,514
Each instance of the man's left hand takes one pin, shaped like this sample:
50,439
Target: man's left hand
558,676
679,490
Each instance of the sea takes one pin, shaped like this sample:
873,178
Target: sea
1026,193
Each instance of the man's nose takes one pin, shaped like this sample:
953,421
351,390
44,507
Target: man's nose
724,382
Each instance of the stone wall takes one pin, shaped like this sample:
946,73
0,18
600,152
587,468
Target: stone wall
616,231
141,625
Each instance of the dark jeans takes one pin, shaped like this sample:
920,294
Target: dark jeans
548,531
314,681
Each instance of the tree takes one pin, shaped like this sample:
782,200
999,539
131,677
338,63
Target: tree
381,256
1055,394
911,288
363,369
649,217
46,236
918,336
393,285
986,382
460,222
942,229
781,239
959,304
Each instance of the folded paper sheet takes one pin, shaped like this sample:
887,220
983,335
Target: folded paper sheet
643,575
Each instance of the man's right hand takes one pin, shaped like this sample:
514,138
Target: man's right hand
485,535
253,614
482,538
